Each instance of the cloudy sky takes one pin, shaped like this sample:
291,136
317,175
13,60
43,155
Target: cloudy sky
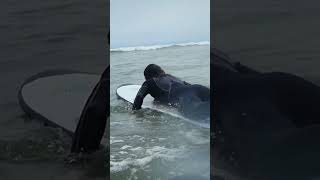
153,22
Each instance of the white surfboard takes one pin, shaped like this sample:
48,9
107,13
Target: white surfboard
128,93
57,97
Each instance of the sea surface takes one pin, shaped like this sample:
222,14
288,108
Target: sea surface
37,36
148,144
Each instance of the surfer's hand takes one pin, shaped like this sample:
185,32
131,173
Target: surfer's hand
135,108
133,111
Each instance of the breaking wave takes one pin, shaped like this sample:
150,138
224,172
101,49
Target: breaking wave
155,47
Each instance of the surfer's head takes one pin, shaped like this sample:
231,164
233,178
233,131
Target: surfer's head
153,71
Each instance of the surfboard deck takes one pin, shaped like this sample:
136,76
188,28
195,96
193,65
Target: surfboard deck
128,92
57,97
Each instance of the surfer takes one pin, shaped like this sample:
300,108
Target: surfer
263,118
192,100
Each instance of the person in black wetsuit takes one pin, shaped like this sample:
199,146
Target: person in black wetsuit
193,101
267,122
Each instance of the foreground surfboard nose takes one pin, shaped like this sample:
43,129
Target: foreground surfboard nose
57,98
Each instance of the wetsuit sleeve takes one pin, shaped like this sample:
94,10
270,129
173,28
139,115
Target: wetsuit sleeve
185,83
244,69
143,91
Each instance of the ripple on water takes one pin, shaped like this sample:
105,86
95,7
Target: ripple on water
41,144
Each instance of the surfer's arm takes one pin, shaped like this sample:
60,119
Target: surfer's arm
244,69
143,91
185,83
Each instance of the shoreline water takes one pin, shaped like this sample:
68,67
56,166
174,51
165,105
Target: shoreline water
150,144
29,45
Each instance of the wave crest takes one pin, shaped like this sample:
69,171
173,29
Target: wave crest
155,47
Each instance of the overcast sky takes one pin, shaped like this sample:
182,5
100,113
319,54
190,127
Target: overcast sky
151,22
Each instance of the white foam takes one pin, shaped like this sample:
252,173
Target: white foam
154,47
136,136
115,123
125,147
201,43
156,152
115,141
136,149
196,137
120,166
123,152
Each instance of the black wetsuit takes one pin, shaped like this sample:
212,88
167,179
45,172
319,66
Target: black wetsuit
93,119
192,100
268,122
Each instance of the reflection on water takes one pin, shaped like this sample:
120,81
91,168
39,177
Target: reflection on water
36,36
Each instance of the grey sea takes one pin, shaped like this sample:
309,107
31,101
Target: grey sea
38,36
268,36
148,144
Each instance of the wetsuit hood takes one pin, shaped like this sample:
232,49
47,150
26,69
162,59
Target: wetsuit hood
153,71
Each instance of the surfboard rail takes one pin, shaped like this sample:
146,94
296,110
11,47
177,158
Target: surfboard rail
125,84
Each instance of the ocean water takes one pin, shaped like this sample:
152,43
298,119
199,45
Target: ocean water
38,36
148,144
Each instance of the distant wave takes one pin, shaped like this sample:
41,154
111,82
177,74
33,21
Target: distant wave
154,47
